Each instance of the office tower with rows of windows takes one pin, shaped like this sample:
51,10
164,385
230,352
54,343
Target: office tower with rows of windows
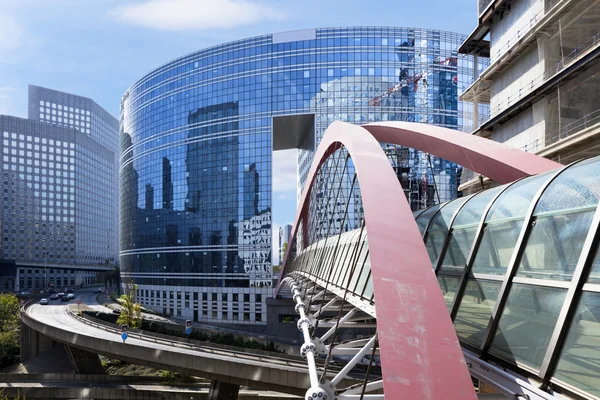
197,136
58,212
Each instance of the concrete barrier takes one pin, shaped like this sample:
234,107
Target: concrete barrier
192,341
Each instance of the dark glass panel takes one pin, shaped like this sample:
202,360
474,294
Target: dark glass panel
475,309
527,323
449,285
496,247
554,246
459,246
579,362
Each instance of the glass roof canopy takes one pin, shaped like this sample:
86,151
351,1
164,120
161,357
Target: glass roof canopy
519,268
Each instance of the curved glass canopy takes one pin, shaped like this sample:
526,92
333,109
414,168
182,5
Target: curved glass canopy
519,268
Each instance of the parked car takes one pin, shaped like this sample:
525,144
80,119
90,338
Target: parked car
70,296
44,302
64,298
99,290
60,295
69,290
116,311
54,296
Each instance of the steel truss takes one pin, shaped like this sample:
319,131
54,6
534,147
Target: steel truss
325,309
322,310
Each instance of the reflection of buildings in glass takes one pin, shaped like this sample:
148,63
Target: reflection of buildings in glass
255,248
214,115
421,175
167,184
426,93
212,175
149,197
251,191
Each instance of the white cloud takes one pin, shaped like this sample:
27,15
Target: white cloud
199,15
284,171
11,38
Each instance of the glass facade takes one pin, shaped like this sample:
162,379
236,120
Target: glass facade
539,236
197,136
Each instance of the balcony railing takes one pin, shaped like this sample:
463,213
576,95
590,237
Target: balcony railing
587,121
521,33
582,123
539,80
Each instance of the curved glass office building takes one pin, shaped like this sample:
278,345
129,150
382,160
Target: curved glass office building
197,135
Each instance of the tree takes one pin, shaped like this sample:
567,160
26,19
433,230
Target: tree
131,312
284,249
9,312
9,329
5,397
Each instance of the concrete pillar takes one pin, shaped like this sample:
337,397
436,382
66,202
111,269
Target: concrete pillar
25,340
84,362
32,343
223,391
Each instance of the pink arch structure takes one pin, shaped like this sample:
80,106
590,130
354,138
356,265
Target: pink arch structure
420,353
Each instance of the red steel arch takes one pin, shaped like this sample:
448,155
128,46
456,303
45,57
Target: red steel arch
420,353
497,161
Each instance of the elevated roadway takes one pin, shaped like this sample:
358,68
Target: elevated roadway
74,386
53,322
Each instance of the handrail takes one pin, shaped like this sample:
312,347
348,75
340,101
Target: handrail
587,121
527,88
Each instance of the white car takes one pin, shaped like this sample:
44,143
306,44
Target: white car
44,302
70,296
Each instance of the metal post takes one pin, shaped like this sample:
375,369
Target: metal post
309,347
426,230
348,367
572,297
341,321
440,259
472,253
316,266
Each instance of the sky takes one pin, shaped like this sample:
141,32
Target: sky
98,48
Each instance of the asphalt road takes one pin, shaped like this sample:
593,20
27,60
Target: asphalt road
55,314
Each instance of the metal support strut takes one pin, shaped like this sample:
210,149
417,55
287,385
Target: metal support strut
310,348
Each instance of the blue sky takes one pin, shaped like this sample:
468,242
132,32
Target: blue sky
98,48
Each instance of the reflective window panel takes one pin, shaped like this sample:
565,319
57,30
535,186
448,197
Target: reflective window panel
579,363
475,310
527,323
